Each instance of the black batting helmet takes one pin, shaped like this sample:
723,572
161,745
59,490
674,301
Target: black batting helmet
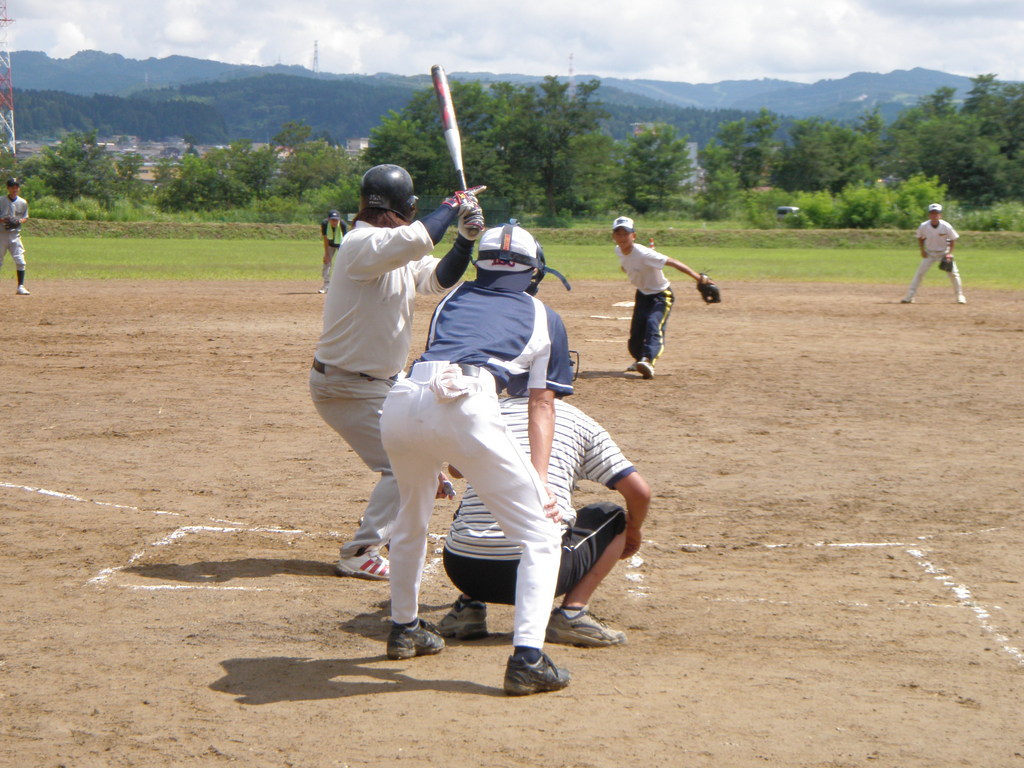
388,187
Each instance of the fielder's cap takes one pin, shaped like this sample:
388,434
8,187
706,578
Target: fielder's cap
333,215
508,248
934,207
624,222
13,183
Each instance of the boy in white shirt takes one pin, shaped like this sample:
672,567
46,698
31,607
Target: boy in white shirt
937,239
654,298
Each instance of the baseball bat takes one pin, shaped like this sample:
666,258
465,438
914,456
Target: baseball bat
451,126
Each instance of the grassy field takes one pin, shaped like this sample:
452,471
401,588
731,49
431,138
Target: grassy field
163,259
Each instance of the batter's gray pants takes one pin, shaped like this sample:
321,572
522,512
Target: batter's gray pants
350,403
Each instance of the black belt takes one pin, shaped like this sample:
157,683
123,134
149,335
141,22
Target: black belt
321,368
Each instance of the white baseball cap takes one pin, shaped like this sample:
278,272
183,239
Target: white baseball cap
501,249
934,207
625,222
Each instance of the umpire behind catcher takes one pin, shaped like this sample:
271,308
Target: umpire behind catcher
482,562
382,264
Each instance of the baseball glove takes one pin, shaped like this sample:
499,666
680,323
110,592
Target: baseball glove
946,265
708,290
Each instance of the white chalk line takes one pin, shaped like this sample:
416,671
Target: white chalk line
176,535
963,596
72,497
961,592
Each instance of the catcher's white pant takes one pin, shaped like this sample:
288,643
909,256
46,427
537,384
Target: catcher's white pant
421,431
11,241
350,404
927,262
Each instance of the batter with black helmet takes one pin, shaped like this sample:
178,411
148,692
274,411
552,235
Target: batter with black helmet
486,336
382,263
14,213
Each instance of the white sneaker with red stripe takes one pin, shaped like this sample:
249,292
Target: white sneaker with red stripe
369,565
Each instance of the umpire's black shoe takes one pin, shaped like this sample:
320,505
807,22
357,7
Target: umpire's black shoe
422,640
522,678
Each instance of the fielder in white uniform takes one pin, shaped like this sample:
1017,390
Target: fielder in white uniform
482,562
14,213
485,336
654,297
367,323
937,239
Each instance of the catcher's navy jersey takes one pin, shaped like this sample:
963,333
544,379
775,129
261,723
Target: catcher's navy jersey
512,334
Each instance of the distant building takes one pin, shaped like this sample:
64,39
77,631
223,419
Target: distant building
356,146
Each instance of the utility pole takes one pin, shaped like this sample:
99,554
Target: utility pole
7,142
316,56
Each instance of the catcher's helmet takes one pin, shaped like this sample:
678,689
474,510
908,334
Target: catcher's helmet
388,187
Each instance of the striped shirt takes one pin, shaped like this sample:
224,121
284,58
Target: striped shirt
581,450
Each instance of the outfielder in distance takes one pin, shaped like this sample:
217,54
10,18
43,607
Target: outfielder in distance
482,562
654,297
14,213
937,239
485,336
367,322
332,229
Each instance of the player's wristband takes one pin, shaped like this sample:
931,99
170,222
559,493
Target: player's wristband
451,268
438,221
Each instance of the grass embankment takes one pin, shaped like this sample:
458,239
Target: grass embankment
147,250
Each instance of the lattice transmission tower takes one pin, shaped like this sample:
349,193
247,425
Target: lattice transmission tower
7,142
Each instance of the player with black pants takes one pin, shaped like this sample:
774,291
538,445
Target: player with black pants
654,298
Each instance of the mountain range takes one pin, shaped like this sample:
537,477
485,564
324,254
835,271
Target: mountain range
362,99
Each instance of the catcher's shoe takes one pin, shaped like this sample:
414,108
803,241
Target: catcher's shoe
523,678
371,564
645,368
467,620
406,642
583,629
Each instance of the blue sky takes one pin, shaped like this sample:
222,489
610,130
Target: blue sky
800,40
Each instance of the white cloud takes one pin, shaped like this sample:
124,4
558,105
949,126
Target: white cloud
803,40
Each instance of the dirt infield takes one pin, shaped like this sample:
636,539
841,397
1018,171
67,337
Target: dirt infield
831,573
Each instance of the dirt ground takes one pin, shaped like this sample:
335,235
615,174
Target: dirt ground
831,573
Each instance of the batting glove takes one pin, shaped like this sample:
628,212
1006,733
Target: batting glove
464,197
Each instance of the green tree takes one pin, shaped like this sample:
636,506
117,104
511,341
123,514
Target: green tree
824,155
310,166
933,139
655,165
78,167
126,170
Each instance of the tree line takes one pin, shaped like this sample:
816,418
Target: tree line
545,152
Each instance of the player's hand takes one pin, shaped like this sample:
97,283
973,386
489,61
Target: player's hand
471,222
445,489
634,538
462,198
551,506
